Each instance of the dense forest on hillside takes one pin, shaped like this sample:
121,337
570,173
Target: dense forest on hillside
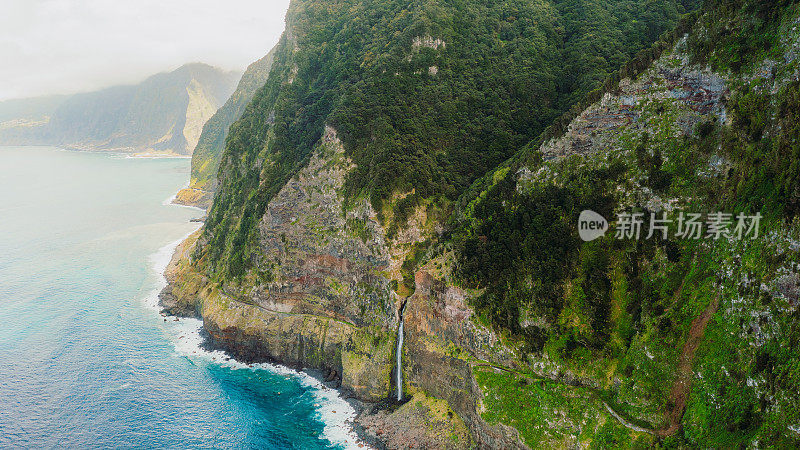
473,136
605,300
427,96
211,144
765,179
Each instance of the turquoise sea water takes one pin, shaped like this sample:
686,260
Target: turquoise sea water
84,361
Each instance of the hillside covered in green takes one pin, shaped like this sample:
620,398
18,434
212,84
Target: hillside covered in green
695,339
210,145
425,164
426,96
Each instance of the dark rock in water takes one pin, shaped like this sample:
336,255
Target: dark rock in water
332,375
197,220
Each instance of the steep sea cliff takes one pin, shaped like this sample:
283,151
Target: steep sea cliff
516,333
85,358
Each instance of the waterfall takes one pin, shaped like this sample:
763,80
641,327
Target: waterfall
400,355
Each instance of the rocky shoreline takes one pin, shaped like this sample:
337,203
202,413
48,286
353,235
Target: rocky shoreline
419,421
324,300
330,379
195,198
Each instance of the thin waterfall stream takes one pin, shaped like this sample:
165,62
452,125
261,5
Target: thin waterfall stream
400,355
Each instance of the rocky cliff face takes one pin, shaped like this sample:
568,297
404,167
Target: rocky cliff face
201,107
321,299
617,344
209,141
324,299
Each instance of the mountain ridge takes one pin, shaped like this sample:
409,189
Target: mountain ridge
156,116
208,151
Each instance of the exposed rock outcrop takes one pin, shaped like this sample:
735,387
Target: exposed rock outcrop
698,92
323,298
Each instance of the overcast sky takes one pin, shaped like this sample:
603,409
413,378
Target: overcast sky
66,46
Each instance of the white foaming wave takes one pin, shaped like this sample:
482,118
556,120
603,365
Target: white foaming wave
336,414
160,260
168,202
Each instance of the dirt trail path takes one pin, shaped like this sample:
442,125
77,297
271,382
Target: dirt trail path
683,384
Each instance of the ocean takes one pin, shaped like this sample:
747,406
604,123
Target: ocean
86,361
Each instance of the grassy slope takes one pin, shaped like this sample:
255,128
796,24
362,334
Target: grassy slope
620,312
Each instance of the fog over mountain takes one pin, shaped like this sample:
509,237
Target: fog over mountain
162,115
69,46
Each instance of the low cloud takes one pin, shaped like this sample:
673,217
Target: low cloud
66,46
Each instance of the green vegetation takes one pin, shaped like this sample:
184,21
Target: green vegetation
622,309
426,96
444,105
548,412
208,152
750,34
520,253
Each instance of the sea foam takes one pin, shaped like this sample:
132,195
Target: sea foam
336,414
169,201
